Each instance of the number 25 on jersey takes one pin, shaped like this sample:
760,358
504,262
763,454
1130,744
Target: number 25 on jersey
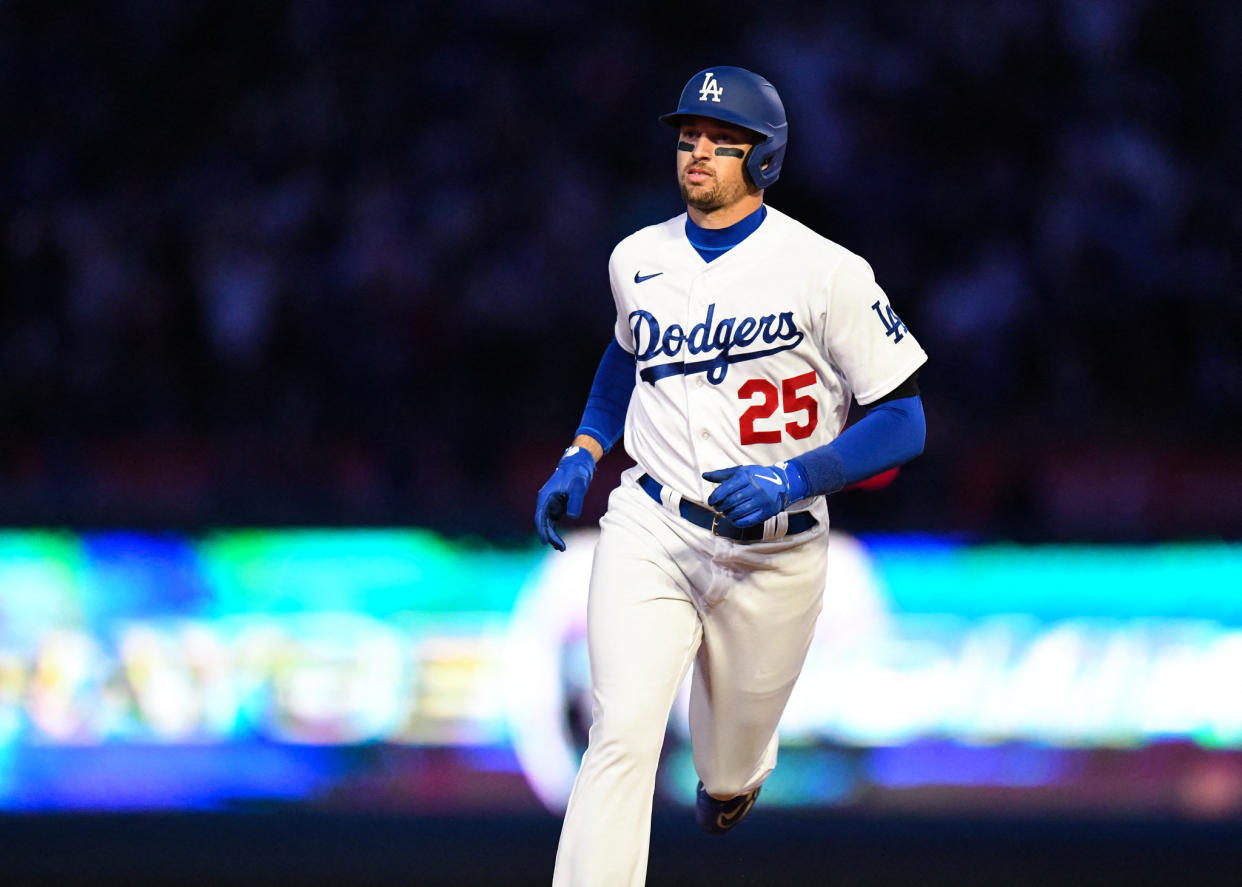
788,398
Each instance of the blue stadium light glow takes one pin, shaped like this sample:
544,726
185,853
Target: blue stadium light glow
188,672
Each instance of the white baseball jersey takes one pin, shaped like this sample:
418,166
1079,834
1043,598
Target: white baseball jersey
754,357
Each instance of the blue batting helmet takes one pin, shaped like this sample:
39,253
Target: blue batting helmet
743,98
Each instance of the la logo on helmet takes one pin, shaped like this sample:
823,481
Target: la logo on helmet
710,88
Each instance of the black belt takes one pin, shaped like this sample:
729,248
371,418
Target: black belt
718,524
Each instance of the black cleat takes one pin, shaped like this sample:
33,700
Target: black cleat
717,817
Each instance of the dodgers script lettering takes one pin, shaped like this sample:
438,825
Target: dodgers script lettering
715,339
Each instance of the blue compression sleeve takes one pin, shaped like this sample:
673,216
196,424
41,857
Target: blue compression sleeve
890,434
604,416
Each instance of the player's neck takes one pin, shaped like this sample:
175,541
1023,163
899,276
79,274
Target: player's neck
726,215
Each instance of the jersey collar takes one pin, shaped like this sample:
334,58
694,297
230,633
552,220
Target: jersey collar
711,243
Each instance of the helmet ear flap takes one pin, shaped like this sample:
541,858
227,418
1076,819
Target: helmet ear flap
762,164
752,158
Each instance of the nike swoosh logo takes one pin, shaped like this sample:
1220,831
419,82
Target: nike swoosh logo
639,278
771,480
726,820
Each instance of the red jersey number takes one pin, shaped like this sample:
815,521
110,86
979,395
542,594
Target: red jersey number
789,398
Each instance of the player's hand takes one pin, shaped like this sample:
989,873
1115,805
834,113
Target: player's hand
562,495
749,494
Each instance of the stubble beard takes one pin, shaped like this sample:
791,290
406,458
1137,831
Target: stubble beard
711,198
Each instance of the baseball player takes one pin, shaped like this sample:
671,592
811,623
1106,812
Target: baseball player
741,337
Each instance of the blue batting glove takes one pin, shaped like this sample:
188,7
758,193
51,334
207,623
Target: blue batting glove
750,494
562,495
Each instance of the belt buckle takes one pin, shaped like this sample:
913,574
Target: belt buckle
715,518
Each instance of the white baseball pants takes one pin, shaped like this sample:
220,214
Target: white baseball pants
665,593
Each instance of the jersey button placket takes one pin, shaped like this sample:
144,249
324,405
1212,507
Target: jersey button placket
700,296
688,386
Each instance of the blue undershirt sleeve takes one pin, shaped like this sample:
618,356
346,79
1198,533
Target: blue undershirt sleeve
606,406
890,434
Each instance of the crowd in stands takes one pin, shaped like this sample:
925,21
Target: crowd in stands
323,263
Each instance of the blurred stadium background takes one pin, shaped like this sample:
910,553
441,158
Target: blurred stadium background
299,301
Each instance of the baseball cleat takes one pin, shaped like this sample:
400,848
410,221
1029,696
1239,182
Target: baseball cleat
717,817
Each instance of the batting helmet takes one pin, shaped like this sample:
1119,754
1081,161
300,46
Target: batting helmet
745,99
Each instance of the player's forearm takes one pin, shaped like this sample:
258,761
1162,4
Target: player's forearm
604,417
590,444
890,434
